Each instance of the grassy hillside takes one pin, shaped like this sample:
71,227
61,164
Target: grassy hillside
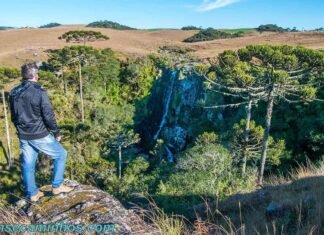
285,206
292,205
20,45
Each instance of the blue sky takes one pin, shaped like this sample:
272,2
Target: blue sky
304,14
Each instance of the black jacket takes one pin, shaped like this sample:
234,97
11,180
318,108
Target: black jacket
31,111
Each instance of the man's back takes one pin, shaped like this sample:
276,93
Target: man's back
32,114
31,111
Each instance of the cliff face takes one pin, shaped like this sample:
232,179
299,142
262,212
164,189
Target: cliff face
172,109
86,205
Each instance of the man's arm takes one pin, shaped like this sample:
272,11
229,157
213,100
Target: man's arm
48,115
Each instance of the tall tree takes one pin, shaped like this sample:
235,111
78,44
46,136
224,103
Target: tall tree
268,73
83,36
237,80
123,140
290,74
76,57
109,68
7,75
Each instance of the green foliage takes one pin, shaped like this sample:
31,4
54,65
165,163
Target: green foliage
201,69
190,28
48,79
7,75
172,49
211,34
252,148
108,24
206,138
5,27
273,74
120,95
270,28
137,77
202,171
10,183
50,25
134,181
83,36
71,55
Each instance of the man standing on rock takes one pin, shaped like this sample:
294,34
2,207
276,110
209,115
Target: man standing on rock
37,130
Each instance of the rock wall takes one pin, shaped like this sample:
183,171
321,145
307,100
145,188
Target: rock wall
178,125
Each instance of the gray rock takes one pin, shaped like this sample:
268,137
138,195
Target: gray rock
309,201
87,205
275,209
21,203
175,137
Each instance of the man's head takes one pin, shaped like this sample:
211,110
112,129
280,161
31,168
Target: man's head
30,71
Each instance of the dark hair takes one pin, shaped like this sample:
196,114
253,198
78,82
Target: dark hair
29,71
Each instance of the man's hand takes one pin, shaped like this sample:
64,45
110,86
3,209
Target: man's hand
58,138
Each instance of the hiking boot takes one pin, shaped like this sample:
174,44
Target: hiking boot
62,189
36,197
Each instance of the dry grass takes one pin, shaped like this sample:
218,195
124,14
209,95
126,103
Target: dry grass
19,45
300,210
165,224
11,215
308,170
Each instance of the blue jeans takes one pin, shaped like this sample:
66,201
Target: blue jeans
29,151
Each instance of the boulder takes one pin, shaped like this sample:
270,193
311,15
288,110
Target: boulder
175,137
87,205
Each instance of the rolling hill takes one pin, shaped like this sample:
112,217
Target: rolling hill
19,45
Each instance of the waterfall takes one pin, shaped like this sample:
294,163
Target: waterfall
169,154
167,104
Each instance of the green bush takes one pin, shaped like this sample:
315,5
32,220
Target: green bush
270,28
50,25
203,171
211,34
5,27
190,28
108,24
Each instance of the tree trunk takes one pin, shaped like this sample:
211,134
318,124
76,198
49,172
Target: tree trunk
81,92
64,81
246,135
10,157
120,161
266,136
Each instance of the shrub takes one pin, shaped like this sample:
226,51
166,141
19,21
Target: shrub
270,28
211,34
5,27
108,24
50,25
202,171
190,28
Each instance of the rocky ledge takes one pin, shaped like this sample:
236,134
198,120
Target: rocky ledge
86,205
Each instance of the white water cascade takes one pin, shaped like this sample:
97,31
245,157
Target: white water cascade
169,154
167,104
